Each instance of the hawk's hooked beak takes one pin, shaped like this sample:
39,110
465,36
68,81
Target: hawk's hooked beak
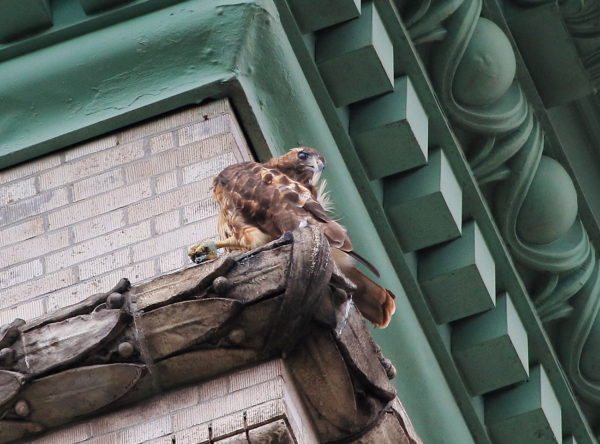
317,164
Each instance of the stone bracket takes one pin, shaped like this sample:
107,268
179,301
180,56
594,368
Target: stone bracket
119,347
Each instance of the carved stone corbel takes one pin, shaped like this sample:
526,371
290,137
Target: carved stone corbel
127,344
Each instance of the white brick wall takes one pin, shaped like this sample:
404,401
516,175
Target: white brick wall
184,416
127,204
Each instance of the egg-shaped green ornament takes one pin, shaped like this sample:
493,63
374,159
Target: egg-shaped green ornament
550,207
487,68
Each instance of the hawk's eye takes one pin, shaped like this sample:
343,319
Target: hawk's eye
302,155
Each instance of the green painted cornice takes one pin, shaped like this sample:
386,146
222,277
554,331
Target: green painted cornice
407,61
560,41
29,25
255,53
112,77
589,109
513,151
197,50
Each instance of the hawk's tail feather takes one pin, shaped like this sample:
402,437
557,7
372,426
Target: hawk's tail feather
365,262
375,302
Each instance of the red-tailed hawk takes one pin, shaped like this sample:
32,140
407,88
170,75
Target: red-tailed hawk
259,202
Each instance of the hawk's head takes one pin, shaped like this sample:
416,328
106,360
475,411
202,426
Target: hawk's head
303,164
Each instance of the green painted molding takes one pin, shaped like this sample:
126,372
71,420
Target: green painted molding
542,351
255,53
547,44
510,155
67,19
580,19
403,264
76,89
129,71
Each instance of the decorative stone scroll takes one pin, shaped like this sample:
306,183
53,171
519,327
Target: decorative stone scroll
533,196
127,344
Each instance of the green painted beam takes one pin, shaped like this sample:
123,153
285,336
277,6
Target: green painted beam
356,58
491,348
69,20
424,205
96,6
390,131
118,72
550,54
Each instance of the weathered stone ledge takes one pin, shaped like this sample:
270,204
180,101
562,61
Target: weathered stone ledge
284,299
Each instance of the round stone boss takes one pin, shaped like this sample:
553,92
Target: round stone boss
550,207
487,68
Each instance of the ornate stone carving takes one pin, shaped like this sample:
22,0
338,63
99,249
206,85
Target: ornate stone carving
533,196
129,343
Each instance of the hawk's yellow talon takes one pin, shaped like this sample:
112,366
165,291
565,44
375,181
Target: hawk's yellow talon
203,251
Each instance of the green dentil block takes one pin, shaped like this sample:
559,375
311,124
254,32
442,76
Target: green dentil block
459,277
528,413
20,18
314,15
95,6
390,132
424,205
491,348
356,58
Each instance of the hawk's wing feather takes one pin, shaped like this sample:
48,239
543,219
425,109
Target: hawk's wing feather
317,210
259,204
272,202
334,232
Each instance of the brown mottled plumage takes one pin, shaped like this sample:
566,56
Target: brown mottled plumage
260,202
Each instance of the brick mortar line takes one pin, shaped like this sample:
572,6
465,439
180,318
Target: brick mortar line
129,246
173,434
29,175
108,171
147,154
45,224
178,168
68,186
81,179
174,129
42,297
76,265
152,196
63,161
71,244
103,255
30,198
